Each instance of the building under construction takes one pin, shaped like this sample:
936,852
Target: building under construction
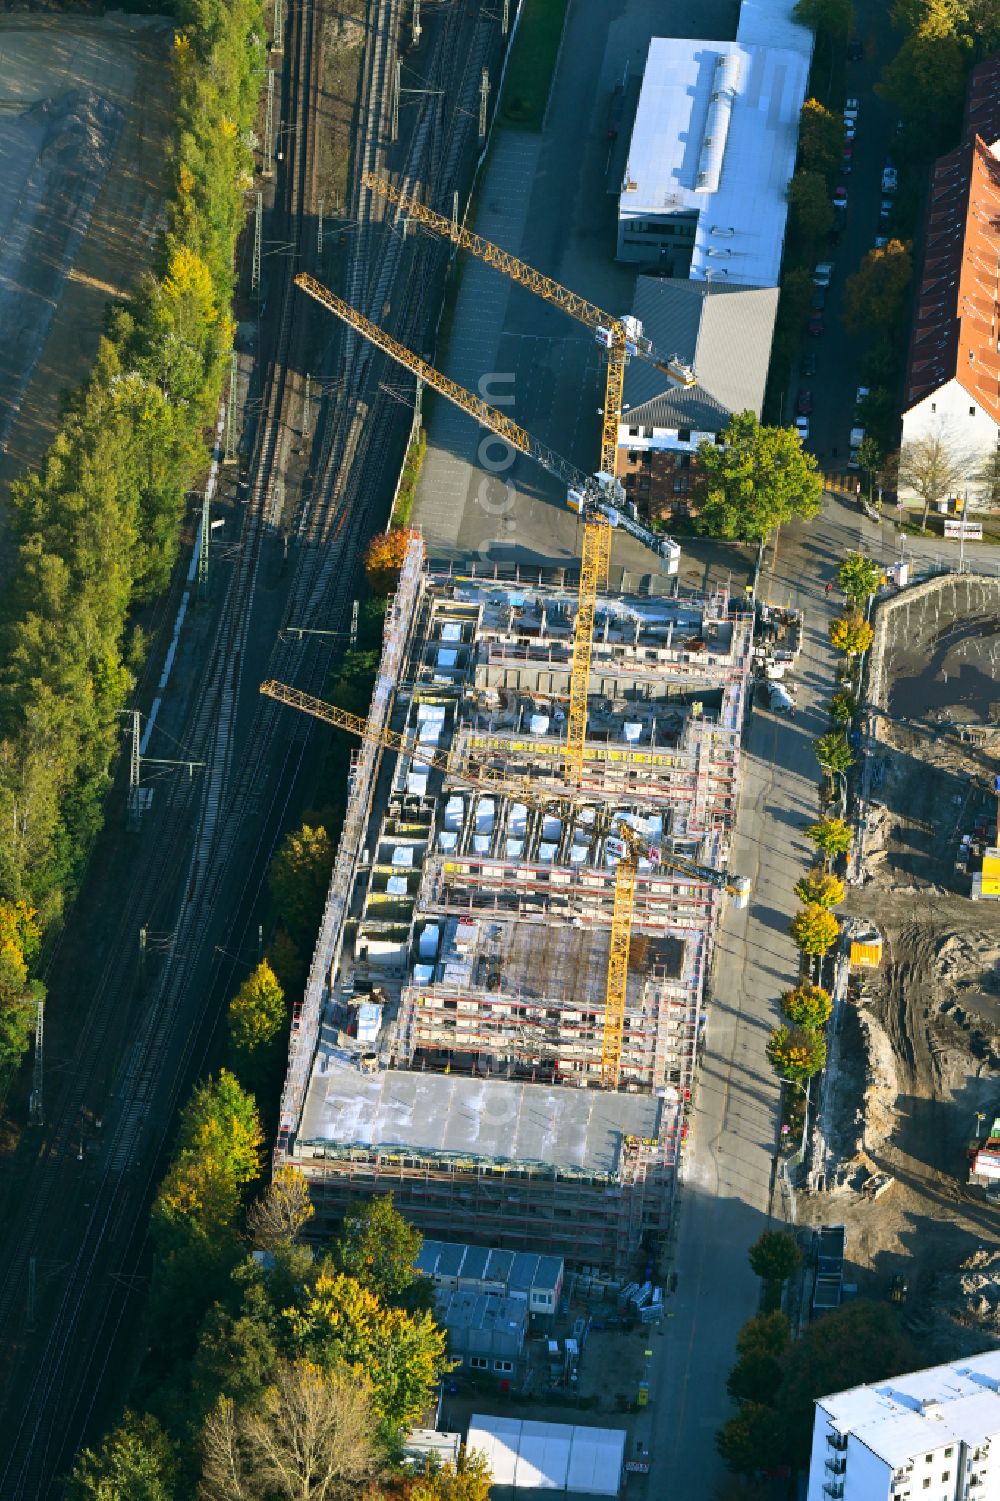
452,1043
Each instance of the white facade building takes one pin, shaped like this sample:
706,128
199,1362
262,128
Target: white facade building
712,150
933,1435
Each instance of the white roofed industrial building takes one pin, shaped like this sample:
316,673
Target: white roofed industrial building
711,155
932,1435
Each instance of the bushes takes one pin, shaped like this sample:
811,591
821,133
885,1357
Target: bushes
97,526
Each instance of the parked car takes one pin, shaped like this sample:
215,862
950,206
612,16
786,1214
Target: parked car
810,364
850,130
847,160
819,299
802,427
855,441
823,273
885,209
880,240
851,110
855,51
840,196
804,405
889,179
860,395
816,325
849,151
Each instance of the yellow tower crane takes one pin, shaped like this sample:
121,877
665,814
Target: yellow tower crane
597,498
626,844
622,338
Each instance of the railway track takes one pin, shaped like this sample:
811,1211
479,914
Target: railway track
61,1378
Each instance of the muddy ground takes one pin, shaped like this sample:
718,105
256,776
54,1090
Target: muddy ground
919,1074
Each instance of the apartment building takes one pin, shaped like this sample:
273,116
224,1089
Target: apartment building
932,1435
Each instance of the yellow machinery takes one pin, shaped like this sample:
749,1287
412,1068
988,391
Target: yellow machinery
622,338
629,846
597,498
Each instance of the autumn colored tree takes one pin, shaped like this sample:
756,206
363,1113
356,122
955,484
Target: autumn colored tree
874,294
821,138
819,888
933,467
831,836
468,1480
378,1248
814,930
384,558
135,1462
775,1255
858,577
258,1021
833,752
851,633
807,1006
810,203
759,477
283,1210
795,1053
299,876
311,1436
338,1322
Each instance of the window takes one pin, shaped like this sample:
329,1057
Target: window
972,411
948,1453
479,1363
933,409
684,435
633,432
502,1365
946,1476
927,1483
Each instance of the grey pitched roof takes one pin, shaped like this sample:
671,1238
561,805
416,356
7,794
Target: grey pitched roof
724,332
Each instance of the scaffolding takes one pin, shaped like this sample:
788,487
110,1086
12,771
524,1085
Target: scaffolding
473,929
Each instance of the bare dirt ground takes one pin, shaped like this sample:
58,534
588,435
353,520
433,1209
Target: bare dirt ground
920,1037
84,114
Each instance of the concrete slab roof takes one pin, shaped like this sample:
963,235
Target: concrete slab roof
571,1130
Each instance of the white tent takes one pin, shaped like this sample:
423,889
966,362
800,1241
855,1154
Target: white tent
531,1456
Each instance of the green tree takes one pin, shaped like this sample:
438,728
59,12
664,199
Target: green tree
755,1378
807,1006
814,930
833,752
819,888
766,1334
759,478
821,138
810,203
135,1462
925,83
774,1256
832,836
378,1248
843,706
751,1440
874,294
833,16
858,577
860,1342
258,1021
870,455
299,876
795,1053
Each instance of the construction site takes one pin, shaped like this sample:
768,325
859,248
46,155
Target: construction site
502,1018
915,1089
